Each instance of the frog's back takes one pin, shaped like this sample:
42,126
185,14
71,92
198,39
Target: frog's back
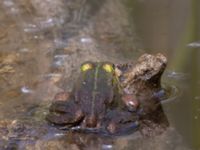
94,89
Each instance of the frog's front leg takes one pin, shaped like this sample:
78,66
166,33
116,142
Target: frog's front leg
65,113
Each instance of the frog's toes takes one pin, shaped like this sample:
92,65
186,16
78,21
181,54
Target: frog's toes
62,96
119,128
58,119
63,107
112,128
65,113
120,122
64,118
58,106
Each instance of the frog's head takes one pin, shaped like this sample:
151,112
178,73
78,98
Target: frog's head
96,86
98,68
106,66
100,74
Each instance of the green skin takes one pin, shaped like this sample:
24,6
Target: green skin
95,102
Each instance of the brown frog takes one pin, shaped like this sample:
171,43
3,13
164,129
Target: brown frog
96,102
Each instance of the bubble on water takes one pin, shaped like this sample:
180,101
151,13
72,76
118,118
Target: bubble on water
26,90
59,134
47,23
35,37
59,60
76,128
61,56
31,28
8,3
58,63
107,146
51,22
197,97
86,40
59,43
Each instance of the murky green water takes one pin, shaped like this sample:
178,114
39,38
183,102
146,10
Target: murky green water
42,43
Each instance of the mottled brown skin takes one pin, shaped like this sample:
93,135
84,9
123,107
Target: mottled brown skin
142,80
113,98
95,102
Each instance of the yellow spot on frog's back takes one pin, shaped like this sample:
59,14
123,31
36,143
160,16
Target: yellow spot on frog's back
86,67
108,68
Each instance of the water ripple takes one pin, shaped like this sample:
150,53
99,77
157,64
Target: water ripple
177,75
194,44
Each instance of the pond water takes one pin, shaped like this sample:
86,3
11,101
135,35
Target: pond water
42,43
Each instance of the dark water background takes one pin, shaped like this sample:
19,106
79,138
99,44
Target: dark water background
42,43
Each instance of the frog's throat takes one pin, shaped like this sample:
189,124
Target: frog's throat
94,92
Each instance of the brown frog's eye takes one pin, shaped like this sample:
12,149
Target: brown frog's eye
86,66
108,67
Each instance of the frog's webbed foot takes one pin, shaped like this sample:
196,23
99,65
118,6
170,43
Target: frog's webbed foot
120,122
64,113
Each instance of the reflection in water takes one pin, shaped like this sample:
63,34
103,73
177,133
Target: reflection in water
177,75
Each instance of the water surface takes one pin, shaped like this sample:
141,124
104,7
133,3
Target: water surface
42,43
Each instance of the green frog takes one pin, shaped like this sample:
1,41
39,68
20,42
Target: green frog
97,101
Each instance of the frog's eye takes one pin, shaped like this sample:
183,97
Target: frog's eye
108,68
86,67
